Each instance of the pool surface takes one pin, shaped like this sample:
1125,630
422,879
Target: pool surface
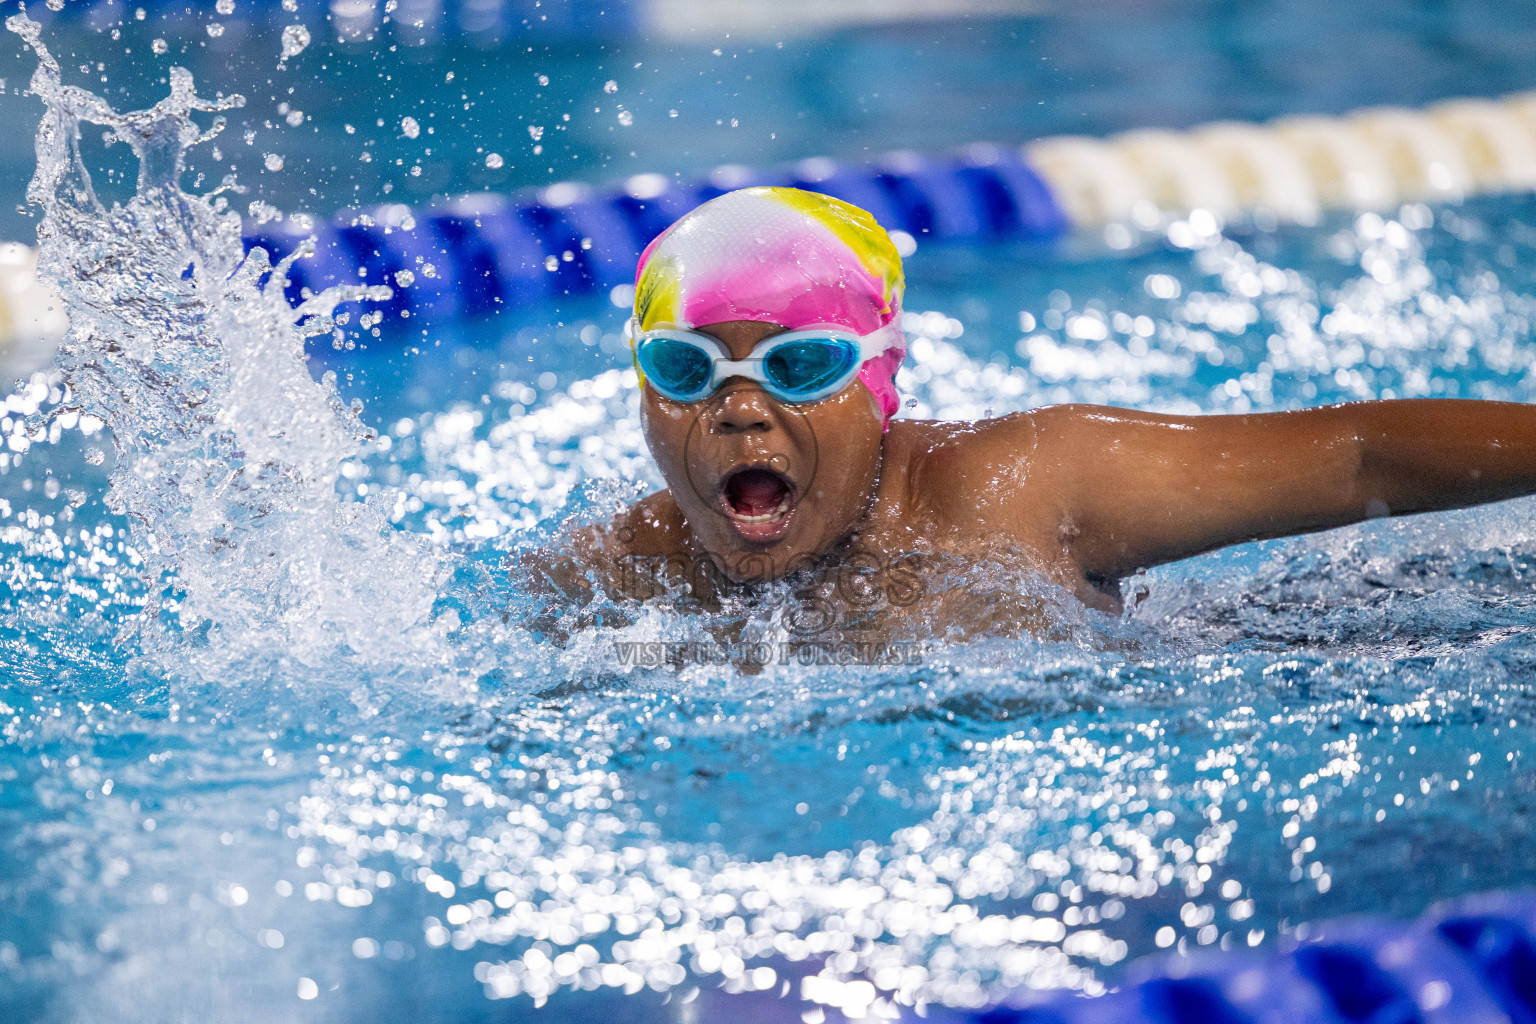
288,734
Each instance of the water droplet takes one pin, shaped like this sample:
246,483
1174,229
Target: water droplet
494,161
410,127
610,86
295,39
626,118
273,162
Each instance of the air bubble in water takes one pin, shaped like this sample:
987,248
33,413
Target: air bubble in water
273,162
404,278
295,118
410,127
55,5
494,161
95,456
295,39
535,132
610,86
160,46
215,29
626,118
225,6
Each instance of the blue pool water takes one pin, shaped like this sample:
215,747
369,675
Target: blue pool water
318,768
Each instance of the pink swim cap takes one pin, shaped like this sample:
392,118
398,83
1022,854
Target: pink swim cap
783,256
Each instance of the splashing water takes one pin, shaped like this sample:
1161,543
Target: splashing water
227,449
1329,726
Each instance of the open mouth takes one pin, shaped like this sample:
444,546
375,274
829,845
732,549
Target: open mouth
758,502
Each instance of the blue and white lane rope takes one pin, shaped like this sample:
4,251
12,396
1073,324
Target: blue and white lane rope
1469,961
473,256
486,252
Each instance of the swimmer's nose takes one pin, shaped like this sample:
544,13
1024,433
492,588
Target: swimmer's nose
741,410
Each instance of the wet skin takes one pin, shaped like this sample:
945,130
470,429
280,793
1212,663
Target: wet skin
1084,495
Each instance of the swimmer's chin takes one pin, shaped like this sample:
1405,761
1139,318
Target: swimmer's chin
747,560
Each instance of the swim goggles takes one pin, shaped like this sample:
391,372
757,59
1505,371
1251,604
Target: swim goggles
801,366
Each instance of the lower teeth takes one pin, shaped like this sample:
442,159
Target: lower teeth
766,517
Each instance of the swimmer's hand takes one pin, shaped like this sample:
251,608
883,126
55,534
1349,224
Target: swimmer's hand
1131,490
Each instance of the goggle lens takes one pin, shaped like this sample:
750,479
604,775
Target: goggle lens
675,366
804,367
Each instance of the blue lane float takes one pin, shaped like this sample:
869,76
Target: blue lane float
486,252
1469,961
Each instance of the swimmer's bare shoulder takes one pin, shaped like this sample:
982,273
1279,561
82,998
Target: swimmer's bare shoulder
966,479
652,527
995,486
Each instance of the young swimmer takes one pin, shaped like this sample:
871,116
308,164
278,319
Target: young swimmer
766,334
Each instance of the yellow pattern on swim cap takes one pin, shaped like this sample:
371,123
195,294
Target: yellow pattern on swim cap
659,293
852,226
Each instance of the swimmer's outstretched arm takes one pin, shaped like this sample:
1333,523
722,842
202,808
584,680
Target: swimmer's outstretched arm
1138,489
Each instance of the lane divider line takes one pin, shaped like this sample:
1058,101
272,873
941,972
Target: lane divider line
486,252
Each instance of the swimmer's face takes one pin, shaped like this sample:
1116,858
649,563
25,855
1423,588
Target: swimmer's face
766,486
